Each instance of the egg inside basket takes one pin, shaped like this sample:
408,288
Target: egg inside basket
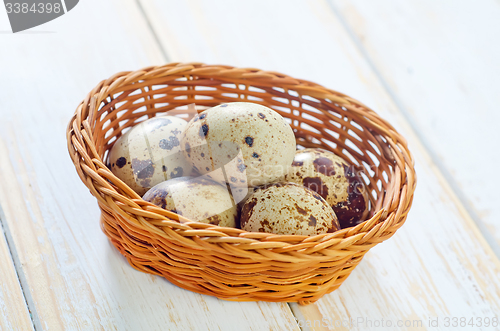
230,263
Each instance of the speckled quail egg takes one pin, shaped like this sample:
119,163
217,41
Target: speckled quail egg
335,180
253,144
150,153
287,208
196,198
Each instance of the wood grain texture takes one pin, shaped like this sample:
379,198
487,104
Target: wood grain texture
441,59
14,314
438,264
73,277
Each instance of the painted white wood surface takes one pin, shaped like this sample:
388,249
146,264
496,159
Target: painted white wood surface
441,59
73,278
14,314
438,264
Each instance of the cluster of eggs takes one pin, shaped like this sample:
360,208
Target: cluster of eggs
236,165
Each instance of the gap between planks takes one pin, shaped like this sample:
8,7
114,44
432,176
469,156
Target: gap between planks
21,277
4,229
163,52
448,181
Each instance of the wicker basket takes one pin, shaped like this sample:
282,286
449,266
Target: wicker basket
229,263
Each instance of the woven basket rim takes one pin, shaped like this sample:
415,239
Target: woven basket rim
122,201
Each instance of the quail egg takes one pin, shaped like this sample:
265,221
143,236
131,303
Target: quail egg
287,208
196,198
253,144
150,153
335,180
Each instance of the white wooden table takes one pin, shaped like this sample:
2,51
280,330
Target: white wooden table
430,67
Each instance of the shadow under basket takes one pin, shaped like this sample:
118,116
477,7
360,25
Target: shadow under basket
229,263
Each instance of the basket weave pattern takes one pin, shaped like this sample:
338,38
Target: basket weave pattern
231,263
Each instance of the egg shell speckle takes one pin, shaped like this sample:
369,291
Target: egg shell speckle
335,180
253,143
288,208
150,153
196,198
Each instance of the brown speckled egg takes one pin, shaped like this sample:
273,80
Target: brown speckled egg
288,208
150,153
252,143
196,198
335,180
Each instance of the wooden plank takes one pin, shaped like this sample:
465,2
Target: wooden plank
14,314
438,264
441,59
74,278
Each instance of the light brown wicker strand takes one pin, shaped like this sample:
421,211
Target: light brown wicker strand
230,263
